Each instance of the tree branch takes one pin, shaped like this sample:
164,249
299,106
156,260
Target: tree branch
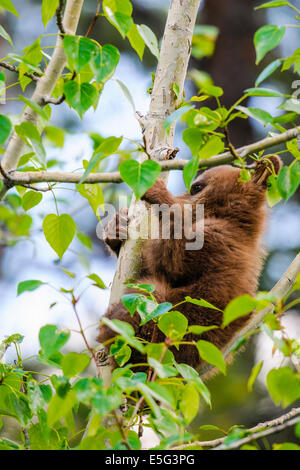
59,17
12,68
29,177
257,432
171,68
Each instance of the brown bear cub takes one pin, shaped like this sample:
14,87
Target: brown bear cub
228,264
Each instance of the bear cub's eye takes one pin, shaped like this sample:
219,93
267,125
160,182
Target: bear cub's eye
197,187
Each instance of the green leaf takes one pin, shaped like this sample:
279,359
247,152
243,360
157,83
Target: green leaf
136,41
93,193
59,231
266,39
253,376
28,286
49,8
55,135
34,106
212,90
133,440
43,439
20,406
176,115
189,403
264,92
80,96
201,303
259,114
192,376
52,339
273,195
118,13
24,61
190,170
199,330
9,6
149,38
120,351
106,400
60,407
97,280
5,128
142,287
286,446
85,240
163,371
279,342
174,325
288,180
28,132
193,137
125,330
79,51
35,395
237,308
283,386
31,199
274,4
104,63
213,146
131,301
5,35
159,310
211,354
139,176
269,70
74,363
107,147
126,93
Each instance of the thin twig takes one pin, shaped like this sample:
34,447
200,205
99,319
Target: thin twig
81,330
258,431
119,421
230,145
34,188
59,17
94,20
12,68
59,100
139,405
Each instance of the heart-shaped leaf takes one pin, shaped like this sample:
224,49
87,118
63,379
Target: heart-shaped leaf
79,51
104,62
139,176
31,199
59,231
80,96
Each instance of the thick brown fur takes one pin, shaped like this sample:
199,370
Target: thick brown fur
227,266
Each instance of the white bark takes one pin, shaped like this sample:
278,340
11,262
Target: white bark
171,69
44,86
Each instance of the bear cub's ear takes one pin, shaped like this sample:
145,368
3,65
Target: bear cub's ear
265,167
